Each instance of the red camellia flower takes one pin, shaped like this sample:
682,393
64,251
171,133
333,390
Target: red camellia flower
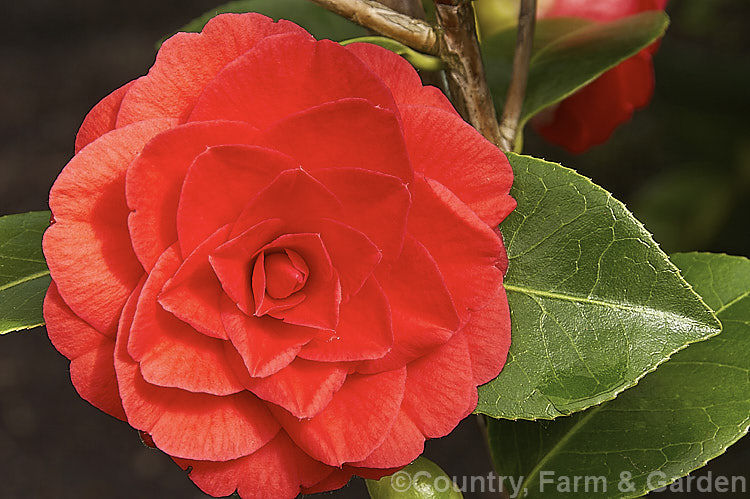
589,116
277,258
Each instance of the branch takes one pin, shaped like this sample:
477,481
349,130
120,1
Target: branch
371,14
519,76
411,8
466,75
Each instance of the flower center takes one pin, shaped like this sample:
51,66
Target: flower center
286,273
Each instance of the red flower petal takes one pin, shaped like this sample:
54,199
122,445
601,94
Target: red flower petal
266,345
335,480
601,11
102,118
184,424
278,469
352,254
354,423
405,443
589,116
488,337
440,390
286,273
423,313
257,89
170,352
343,134
219,184
154,181
320,308
294,197
193,293
445,148
400,77
88,247
375,204
465,248
233,261
303,388
91,354
187,62
364,330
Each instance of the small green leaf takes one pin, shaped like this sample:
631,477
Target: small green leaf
595,304
422,479
677,418
320,22
568,54
417,59
24,277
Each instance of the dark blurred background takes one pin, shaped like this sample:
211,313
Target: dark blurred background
682,165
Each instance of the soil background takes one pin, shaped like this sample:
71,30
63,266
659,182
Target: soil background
59,57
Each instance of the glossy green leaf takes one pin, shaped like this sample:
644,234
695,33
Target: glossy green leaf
417,59
677,418
24,277
568,54
422,479
320,22
595,304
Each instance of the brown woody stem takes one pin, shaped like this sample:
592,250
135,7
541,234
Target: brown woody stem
517,89
371,14
466,76
413,8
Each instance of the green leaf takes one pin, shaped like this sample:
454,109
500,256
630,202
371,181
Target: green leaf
422,479
417,59
24,277
320,22
678,418
568,54
595,304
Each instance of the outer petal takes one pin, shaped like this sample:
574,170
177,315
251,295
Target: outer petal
424,316
170,352
184,424
354,423
102,118
220,184
91,354
188,61
405,443
440,390
400,77
351,133
488,336
154,181
466,249
88,247
303,388
445,148
257,89
278,469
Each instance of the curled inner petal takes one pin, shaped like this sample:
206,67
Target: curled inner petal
286,273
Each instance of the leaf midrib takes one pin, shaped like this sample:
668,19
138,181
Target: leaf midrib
24,279
629,307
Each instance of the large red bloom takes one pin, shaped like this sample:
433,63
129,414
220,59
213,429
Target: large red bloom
278,257
589,116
